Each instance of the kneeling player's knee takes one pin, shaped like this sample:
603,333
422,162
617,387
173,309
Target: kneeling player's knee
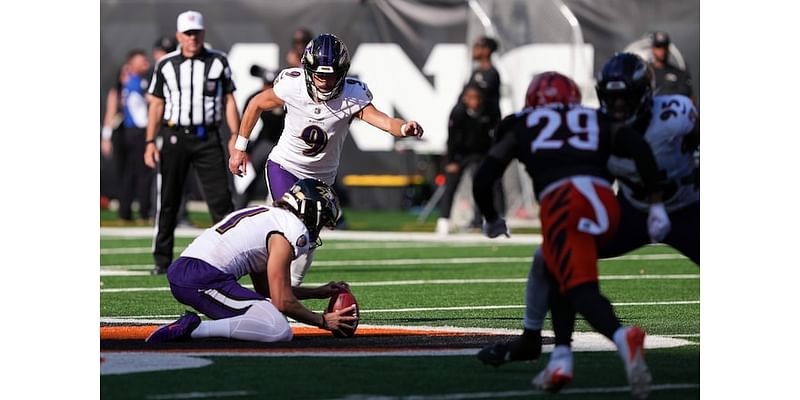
283,332
263,323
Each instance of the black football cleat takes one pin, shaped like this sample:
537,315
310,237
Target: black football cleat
519,349
158,270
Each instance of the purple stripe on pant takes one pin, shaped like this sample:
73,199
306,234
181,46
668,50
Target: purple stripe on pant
279,180
189,279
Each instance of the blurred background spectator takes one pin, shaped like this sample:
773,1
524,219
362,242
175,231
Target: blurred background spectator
133,175
469,138
300,39
669,78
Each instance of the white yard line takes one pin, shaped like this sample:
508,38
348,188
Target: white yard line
326,247
463,308
421,281
428,261
133,250
368,236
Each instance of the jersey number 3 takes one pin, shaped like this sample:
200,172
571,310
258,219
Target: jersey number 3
581,123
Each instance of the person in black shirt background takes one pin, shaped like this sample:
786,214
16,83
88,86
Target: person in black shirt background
469,138
669,78
485,75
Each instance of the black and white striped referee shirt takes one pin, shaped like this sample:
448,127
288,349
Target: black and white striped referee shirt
194,88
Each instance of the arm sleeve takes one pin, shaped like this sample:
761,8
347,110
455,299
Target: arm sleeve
692,140
687,80
454,131
492,168
630,144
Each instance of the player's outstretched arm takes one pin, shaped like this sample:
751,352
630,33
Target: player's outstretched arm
282,294
264,101
395,126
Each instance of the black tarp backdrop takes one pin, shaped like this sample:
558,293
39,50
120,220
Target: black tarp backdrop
609,25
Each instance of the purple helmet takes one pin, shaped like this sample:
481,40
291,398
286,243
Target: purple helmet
326,54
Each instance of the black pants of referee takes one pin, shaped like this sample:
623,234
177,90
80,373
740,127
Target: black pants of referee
133,175
178,151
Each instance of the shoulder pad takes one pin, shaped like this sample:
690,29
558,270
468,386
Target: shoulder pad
357,88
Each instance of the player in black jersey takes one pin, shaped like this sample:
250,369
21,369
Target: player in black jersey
670,125
565,148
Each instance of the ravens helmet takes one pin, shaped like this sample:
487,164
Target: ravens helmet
315,203
325,55
625,86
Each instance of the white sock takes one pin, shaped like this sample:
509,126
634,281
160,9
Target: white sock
213,328
537,292
619,340
619,336
561,351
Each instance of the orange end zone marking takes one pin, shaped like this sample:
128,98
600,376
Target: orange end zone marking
142,331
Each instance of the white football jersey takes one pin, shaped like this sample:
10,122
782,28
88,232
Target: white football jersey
238,244
314,133
673,117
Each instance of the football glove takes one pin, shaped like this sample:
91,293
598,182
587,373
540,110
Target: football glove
658,224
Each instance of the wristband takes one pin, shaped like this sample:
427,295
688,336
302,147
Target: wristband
403,130
241,143
106,132
146,142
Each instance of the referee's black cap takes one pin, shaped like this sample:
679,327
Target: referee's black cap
166,43
660,39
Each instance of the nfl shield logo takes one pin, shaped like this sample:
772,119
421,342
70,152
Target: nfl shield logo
211,86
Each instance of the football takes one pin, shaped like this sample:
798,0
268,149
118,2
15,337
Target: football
343,300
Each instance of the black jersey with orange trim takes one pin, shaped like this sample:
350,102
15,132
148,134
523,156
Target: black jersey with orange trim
556,142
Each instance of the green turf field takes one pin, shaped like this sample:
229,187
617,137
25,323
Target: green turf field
660,293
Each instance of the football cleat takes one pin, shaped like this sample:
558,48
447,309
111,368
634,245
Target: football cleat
179,330
519,349
557,374
632,352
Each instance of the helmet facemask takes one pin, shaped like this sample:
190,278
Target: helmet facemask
625,87
622,104
327,56
315,203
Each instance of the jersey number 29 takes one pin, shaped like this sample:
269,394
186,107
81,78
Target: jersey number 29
581,123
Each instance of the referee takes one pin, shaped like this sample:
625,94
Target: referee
190,92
